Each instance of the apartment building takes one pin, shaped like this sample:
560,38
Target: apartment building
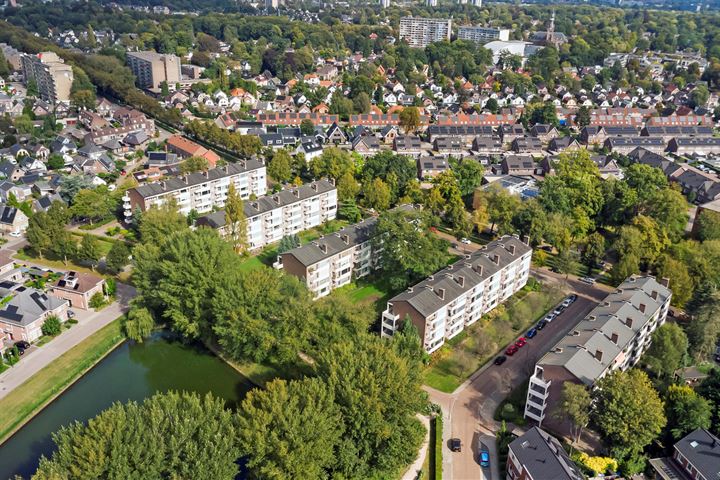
442,305
288,212
200,191
420,32
480,34
537,455
333,260
611,337
152,69
51,75
12,55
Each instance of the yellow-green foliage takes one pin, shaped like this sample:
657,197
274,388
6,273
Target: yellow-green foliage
598,464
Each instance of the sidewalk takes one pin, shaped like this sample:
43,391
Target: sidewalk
88,323
412,472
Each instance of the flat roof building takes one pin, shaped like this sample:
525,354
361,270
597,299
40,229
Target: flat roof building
421,32
480,34
152,69
52,76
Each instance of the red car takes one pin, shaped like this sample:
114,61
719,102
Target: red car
510,351
520,342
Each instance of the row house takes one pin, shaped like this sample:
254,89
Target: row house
431,167
694,145
450,146
200,191
288,212
675,120
377,120
625,145
668,132
295,118
467,133
486,119
613,336
487,145
597,134
408,145
527,145
442,305
333,260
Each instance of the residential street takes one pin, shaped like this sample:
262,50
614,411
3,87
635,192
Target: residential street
89,322
469,410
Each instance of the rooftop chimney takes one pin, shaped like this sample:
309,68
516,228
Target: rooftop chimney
479,269
614,338
185,179
227,169
628,322
511,249
496,259
323,247
654,294
598,355
642,307
440,293
665,282
460,280
314,186
345,238
296,192
277,199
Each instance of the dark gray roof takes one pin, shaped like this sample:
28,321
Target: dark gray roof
192,179
449,143
28,305
7,214
543,457
619,314
267,203
676,130
702,450
636,141
463,275
407,142
620,131
460,130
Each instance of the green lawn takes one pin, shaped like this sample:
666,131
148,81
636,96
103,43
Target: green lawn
460,357
27,399
367,290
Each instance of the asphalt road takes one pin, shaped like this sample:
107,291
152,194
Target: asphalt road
469,410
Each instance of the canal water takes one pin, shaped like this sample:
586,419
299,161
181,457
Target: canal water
131,372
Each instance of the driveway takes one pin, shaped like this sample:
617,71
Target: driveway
469,410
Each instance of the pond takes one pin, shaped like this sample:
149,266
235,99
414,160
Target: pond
131,372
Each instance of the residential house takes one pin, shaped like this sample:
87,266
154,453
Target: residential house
22,317
695,457
544,132
336,135
78,288
410,145
509,133
430,167
527,145
694,145
562,144
450,146
442,305
487,145
625,145
538,455
185,148
518,165
366,145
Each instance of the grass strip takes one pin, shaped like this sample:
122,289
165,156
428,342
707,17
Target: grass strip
20,405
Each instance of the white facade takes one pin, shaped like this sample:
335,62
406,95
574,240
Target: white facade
420,32
457,296
613,336
201,191
483,34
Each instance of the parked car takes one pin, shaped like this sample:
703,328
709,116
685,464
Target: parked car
15,234
71,314
521,342
566,303
455,445
511,350
558,310
541,324
572,298
531,333
549,317
500,360
588,280
22,345
465,241
484,458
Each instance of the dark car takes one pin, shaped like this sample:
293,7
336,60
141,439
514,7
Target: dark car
572,297
531,333
511,350
455,445
541,324
70,314
22,345
500,360
520,342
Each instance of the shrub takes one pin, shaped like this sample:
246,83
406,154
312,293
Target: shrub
599,465
52,326
97,301
438,446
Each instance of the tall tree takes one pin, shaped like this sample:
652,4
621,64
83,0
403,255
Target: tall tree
236,220
628,412
410,119
378,392
138,324
194,164
89,250
290,430
279,167
667,351
263,315
159,222
191,437
686,411
575,406
118,256
377,195
708,225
